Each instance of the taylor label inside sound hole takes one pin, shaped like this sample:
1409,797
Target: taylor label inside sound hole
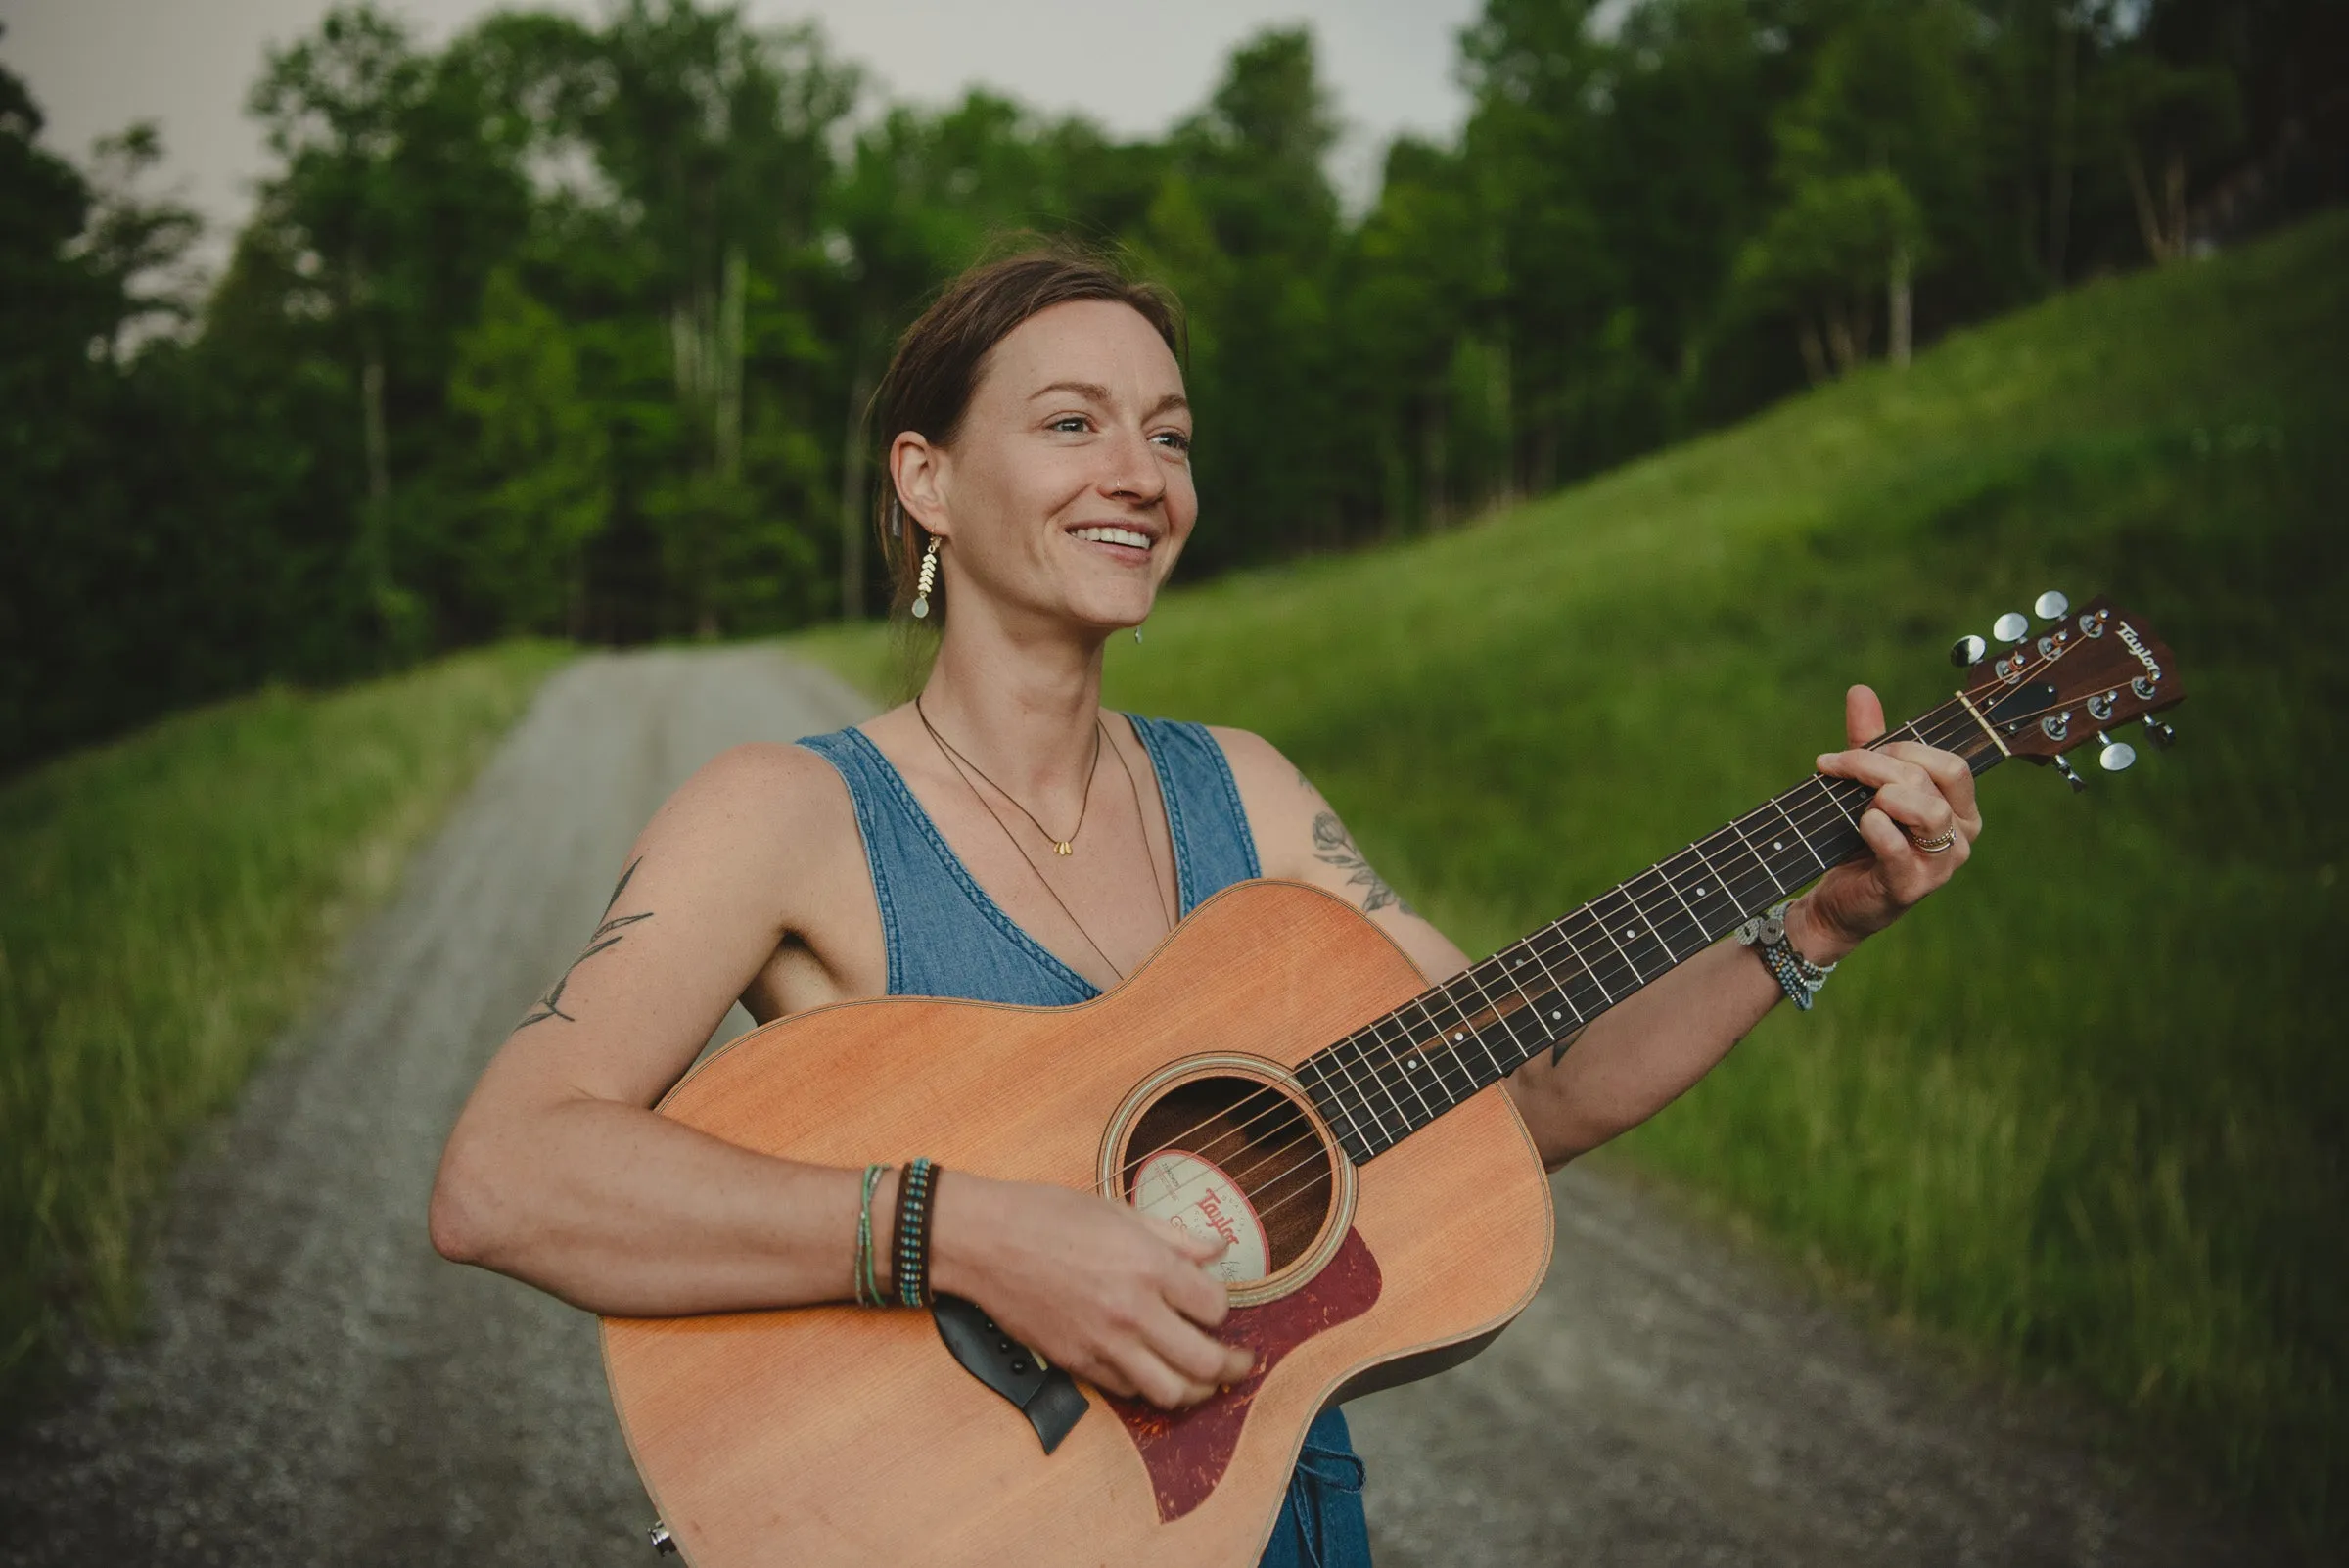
1235,1159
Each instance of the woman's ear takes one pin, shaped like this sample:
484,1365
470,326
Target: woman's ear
918,469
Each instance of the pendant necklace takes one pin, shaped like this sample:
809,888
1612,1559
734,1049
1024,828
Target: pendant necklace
956,760
1060,846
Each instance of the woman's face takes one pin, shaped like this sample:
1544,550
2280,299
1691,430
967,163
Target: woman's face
1067,491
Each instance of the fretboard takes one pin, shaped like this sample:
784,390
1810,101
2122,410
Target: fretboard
1393,1075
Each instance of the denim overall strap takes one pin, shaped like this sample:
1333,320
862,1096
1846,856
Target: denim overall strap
944,936
1205,821
947,937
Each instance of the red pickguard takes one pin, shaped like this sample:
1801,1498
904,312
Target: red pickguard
1186,1452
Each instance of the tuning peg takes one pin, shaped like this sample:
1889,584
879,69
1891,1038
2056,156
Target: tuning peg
2064,766
1967,651
2010,626
2160,734
2051,606
2114,757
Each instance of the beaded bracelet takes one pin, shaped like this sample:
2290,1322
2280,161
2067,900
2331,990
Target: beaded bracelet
915,1192
868,1284
1797,976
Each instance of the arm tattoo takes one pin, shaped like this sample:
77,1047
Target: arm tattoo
1334,846
606,934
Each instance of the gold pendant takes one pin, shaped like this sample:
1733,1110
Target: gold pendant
1064,849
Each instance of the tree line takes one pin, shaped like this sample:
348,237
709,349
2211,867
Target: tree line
569,328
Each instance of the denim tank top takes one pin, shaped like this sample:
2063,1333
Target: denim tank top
944,936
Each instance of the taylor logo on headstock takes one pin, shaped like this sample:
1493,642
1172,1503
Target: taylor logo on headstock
2057,689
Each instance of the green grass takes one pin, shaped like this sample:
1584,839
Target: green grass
168,903
2084,1112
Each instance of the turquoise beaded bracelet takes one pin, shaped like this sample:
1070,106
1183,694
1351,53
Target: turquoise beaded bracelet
1797,976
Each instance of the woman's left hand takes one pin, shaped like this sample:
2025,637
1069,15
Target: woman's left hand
1921,794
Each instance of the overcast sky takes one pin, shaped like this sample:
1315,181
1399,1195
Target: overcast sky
94,66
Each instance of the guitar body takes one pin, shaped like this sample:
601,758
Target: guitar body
831,1435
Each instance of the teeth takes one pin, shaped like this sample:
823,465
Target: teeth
1139,540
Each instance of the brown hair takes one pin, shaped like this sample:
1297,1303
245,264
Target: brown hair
937,362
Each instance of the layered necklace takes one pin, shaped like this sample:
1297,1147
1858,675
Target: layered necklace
965,769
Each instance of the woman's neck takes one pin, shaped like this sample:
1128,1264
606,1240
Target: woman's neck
1022,706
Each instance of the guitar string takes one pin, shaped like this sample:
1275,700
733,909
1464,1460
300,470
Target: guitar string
1320,1157
1814,815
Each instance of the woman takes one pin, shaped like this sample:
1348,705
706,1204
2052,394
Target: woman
1003,838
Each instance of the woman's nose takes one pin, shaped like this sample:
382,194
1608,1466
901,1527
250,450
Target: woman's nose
1132,470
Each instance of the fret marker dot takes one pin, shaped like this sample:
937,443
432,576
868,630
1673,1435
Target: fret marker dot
1554,1017
1628,932
1780,845
1463,1034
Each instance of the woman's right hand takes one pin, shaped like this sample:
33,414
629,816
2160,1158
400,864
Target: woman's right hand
1117,1299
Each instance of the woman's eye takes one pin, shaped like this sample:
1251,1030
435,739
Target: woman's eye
1074,424
1173,440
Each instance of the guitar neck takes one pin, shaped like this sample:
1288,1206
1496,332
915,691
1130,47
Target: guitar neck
1396,1075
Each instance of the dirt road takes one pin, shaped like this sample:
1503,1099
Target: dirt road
317,1388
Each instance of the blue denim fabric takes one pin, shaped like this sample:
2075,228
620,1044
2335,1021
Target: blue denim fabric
947,937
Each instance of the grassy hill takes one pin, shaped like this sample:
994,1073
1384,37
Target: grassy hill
2085,1111
168,903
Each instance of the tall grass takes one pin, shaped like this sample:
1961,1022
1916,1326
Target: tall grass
2086,1109
166,904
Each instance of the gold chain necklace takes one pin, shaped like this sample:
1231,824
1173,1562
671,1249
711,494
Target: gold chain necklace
1060,846
957,761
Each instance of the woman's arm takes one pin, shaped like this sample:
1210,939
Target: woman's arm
1642,1055
561,1175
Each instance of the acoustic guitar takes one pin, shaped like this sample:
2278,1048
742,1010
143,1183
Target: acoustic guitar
1277,1073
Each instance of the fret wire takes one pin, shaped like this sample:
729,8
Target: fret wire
1606,927
1509,972
1642,921
1657,871
1557,928
1767,870
1696,924
1336,1055
1464,1026
1549,1006
1379,1079
1504,1018
1721,885
1395,1059
1777,803
1447,1053
1743,902
1323,1093
1703,868
1566,1007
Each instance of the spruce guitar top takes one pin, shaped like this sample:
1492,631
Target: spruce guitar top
1277,1074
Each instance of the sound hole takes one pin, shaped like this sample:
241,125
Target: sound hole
1203,1139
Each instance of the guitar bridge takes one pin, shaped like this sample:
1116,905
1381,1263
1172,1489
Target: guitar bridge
1047,1396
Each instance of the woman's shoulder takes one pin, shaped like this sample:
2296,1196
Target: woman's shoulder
765,801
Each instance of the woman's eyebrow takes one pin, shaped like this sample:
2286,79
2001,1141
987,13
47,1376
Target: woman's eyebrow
1094,392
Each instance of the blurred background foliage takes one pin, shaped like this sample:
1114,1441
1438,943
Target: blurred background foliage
569,328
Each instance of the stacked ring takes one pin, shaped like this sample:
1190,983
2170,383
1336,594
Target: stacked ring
1939,844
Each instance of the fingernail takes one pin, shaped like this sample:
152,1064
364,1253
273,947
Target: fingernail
1824,757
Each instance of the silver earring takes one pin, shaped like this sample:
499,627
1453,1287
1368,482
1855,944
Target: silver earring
1137,634
927,581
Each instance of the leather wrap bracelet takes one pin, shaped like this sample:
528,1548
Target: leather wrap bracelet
1797,976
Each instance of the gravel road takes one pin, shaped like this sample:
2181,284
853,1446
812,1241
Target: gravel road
317,1388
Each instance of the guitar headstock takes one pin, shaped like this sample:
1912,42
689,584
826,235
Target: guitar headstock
2082,674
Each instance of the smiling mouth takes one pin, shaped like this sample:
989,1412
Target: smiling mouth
1131,538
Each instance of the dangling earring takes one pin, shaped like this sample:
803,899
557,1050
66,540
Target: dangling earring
1137,634
927,581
